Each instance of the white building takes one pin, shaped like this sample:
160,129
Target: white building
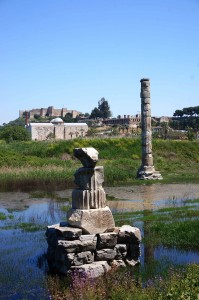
57,130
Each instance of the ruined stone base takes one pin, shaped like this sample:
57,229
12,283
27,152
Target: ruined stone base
92,254
148,172
92,220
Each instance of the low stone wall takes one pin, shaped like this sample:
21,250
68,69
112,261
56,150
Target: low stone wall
93,254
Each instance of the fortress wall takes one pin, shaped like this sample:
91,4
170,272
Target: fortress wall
50,111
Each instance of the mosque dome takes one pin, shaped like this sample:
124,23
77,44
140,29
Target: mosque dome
57,121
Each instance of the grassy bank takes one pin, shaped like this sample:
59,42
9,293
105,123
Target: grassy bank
174,284
52,163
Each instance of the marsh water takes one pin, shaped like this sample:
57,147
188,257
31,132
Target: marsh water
23,267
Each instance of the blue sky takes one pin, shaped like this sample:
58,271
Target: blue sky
71,53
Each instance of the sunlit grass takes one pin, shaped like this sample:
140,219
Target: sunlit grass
178,161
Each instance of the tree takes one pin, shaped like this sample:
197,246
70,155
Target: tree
103,110
178,113
187,117
69,119
190,134
95,113
11,133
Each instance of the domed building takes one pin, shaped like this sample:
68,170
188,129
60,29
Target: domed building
57,121
56,130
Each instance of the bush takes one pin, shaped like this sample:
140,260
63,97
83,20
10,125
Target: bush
11,133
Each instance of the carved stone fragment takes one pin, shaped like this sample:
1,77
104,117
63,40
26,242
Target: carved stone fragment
87,156
92,221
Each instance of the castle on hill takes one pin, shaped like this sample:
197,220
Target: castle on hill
49,112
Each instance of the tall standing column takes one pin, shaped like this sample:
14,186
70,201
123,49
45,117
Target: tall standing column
147,170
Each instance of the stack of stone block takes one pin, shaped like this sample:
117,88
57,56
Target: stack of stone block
89,242
94,254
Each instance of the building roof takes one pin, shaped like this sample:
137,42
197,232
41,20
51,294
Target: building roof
56,120
50,124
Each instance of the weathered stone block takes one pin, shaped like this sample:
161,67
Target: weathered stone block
106,240
81,258
129,234
68,232
146,100
83,244
105,254
87,156
121,250
92,221
92,270
134,250
118,263
88,199
148,162
89,178
145,94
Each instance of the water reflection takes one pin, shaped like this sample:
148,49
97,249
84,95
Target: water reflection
151,197
20,251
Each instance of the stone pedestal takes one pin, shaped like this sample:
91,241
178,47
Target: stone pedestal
92,254
147,170
92,220
89,242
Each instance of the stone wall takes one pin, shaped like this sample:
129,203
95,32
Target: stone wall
65,131
50,111
132,121
70,250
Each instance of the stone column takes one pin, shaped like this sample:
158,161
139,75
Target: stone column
89,209
147,170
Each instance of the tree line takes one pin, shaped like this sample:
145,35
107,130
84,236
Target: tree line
186,118
187,112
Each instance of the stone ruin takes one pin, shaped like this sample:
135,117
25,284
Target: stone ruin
89,242
147,169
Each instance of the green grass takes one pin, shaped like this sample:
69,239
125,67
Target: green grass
2,216
171,227
179,234
52,164
125,285
25,226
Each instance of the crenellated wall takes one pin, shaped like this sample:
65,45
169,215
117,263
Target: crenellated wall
50,111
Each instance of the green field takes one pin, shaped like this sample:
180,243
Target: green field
52,164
